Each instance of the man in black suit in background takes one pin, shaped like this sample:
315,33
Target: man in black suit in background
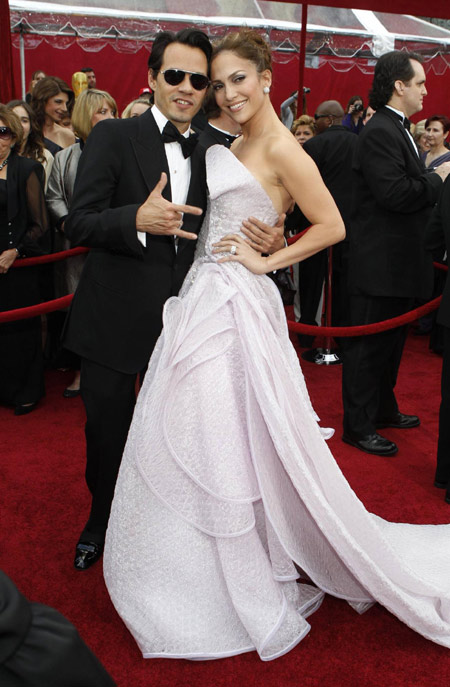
439,230
389,265
138,202
332,150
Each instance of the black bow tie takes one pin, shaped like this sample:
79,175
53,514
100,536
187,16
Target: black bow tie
407,124
170,134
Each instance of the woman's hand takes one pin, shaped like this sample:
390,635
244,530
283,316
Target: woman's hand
239,251
6,259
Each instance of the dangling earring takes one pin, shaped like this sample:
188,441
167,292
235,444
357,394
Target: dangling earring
266,90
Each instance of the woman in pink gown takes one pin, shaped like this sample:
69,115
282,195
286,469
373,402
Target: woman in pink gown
231,519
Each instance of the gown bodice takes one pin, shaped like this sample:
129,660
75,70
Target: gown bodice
233,196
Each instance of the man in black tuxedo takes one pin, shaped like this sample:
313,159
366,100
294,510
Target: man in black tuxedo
439,230
389,265
138,202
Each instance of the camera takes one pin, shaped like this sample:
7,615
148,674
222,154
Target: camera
358,108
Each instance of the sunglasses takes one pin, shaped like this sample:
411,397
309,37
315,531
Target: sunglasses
5,132
316,116
175,76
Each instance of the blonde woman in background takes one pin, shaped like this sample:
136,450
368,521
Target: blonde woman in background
135,108
91,107
303,128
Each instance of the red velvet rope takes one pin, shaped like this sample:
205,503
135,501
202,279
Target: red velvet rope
52,257
35,310
363,329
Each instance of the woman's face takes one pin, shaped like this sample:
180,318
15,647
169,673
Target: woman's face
303,133
424,143
103,112
56,107
38,77
24,117
138,109
5,143
238,86
435,134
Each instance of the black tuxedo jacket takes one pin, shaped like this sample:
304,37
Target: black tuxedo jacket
211,136
439,236
115,317
392,200
332,151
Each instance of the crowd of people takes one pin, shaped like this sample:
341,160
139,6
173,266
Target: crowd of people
179,505
44,137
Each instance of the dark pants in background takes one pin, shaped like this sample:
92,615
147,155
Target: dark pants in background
443,452
371,364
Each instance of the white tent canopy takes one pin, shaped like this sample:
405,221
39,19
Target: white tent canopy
339,32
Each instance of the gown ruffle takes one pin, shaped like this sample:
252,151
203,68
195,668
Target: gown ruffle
228,493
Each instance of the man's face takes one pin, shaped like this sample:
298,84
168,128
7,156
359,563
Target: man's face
323,120
92,81
179,103
414,91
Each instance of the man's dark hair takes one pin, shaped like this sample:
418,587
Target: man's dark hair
210,107
85,70
391,67
192,37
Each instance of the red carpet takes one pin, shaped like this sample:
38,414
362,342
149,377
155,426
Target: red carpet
44,505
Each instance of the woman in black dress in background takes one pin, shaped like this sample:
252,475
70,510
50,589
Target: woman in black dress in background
23,233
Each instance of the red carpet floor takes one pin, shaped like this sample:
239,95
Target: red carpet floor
44,504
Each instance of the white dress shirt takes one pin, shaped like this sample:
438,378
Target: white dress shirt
179,166
403,117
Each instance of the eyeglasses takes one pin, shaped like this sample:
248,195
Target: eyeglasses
316,116
175,76
5,132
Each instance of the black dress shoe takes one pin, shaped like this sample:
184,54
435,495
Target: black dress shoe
87,553
371,443
71,393
399,421
440,485
24,409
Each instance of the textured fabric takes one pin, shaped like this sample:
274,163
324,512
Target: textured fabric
227,480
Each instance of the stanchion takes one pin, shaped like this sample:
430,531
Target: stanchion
325,356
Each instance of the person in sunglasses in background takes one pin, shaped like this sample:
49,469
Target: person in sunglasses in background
138,204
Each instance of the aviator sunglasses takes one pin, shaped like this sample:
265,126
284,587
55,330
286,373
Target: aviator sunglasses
5,132
175,76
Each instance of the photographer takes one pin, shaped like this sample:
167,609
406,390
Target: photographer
353,119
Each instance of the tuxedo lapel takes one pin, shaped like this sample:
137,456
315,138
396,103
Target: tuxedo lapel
150,154
196,194
399,124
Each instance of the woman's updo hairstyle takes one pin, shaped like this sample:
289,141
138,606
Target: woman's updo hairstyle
249,45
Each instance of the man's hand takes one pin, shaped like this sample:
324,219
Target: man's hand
159,216
443,170
263,238
6,260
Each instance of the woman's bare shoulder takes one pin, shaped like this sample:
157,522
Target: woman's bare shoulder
65,137
282,149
